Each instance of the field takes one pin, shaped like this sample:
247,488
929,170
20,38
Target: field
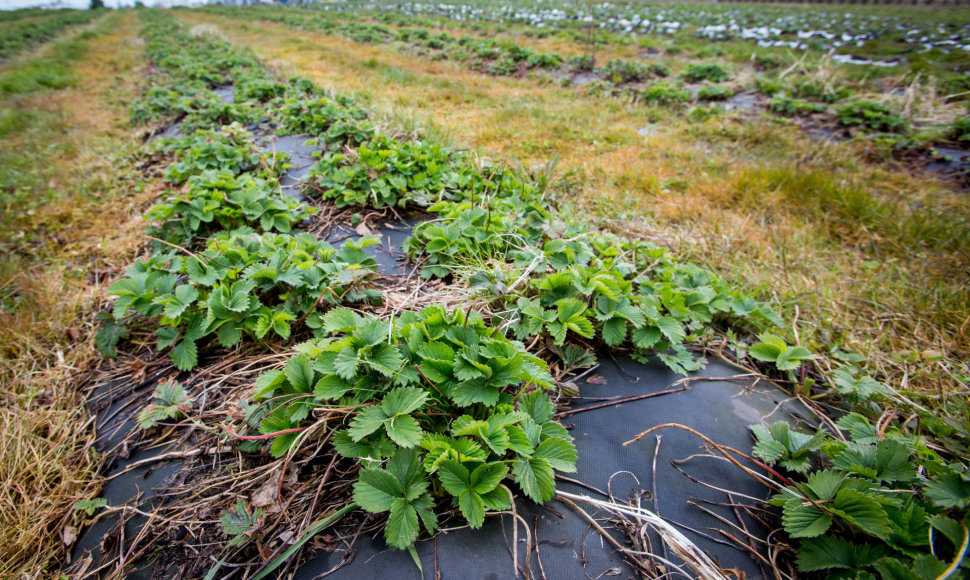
349,269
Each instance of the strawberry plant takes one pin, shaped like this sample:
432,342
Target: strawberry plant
170,402
659,69
858,505
257,87
774,350
857,387
504,66
960,130
217,200
301,116
468,235
350,133
548,60
243,283
383,172
217,113
793,107
714,93
870,116
650,306
625,71
159,102
584,63
661,93
457,409
695,73
230,150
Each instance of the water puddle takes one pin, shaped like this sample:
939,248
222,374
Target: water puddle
226,93
742,102
583,79
951,163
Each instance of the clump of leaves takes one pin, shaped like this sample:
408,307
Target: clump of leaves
170,402
714,93
159,103
466,235
383,172
649,305
455,406
786,447
659,69
240,523
258,87
960,130
789,106
217,200
816,89
243,283
228,151
549,60
774,350
504,66
302,116
695,73
625,71
862,507
90,506
662,93
870,116
584,63
768,86
851,383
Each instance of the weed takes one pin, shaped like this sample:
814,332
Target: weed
960,130
626,71
794,107
695,73
870,116
714,93
662,93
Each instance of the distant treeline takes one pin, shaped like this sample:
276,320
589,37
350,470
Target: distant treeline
870,2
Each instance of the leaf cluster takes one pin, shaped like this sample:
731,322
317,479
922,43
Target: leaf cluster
383,172
215,200
870,116
467,235
452,405
860,504
243,283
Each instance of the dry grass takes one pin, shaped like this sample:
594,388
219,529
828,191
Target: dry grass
50,287
829,237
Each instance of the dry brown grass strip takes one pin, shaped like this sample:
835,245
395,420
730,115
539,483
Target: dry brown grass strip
46,339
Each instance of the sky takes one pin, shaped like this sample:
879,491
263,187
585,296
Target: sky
14,4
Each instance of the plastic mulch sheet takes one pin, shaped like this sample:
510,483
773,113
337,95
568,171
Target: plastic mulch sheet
563,543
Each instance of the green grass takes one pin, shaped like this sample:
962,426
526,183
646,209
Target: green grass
35,133
52,69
